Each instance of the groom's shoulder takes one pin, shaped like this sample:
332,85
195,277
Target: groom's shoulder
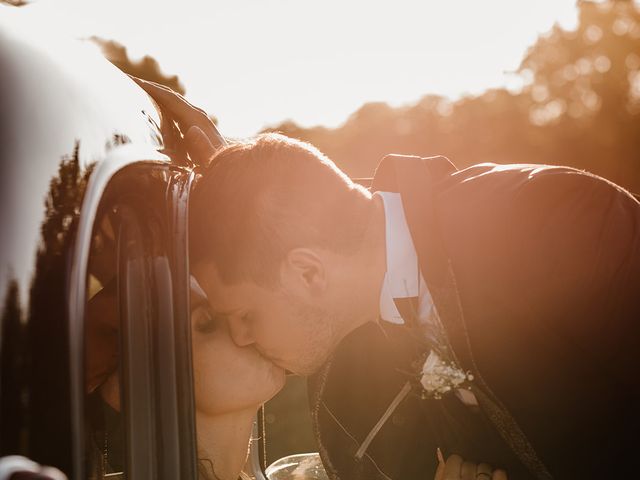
396,172
517,175
527,185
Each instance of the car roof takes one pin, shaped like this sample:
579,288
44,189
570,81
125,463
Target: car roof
60,99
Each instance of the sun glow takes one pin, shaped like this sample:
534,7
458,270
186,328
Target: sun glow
256,63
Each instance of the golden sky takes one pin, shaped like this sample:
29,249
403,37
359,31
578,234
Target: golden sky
255,63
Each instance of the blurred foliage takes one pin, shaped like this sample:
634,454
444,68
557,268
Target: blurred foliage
580,107
146,68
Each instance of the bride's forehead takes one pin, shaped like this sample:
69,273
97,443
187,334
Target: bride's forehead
205,280
207,277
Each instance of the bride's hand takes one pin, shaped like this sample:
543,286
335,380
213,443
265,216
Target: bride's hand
456,468
201,136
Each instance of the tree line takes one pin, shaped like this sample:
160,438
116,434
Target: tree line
580,107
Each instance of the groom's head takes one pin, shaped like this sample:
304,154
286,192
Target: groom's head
274,227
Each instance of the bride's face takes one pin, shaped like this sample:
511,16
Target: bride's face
227,378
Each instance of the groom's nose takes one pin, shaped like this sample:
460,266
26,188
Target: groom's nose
240,332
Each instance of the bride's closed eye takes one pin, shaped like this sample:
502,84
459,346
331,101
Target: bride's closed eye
203,320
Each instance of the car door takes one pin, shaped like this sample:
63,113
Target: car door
138,251
94,199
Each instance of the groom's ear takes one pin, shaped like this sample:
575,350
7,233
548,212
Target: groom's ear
303,270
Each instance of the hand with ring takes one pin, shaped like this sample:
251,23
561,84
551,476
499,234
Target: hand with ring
456,468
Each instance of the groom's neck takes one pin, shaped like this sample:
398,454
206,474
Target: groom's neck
370,269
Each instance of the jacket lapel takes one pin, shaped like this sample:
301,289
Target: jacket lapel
417,179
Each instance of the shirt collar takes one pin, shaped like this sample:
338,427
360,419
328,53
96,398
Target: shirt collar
402,278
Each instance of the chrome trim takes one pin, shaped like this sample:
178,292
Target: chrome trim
116,160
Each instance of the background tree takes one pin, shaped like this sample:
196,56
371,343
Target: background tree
581,107
586,91
147,67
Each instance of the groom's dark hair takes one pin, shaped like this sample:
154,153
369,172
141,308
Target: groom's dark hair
259,199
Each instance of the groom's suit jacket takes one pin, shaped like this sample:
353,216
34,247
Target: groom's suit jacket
535,273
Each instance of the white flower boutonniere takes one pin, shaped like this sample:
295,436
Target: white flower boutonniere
439,377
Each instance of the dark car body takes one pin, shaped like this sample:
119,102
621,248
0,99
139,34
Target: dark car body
82,152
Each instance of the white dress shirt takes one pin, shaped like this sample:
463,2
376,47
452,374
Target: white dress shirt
403,278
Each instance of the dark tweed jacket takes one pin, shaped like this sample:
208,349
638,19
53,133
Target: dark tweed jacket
535,273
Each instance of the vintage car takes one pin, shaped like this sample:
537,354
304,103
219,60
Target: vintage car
94,191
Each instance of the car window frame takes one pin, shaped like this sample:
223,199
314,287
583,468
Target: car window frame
178,183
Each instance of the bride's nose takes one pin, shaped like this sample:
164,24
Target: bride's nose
240,331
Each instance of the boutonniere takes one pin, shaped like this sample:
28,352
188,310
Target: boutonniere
439,377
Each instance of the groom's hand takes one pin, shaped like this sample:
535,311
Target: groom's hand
456,468
201,136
